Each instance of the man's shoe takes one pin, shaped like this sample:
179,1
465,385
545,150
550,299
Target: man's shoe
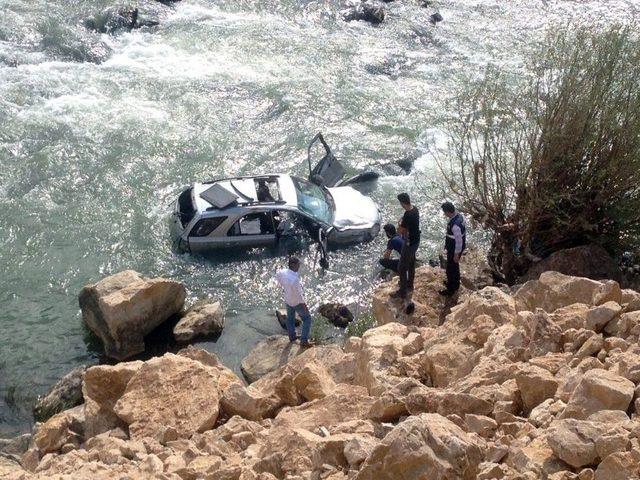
294,340
307,344
446,292
410,308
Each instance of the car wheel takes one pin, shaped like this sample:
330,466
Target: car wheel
373,232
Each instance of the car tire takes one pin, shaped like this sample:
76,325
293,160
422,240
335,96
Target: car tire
372,233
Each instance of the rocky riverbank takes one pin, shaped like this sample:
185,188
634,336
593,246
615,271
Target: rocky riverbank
540,382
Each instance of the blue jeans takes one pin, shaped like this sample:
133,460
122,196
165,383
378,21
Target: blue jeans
291,322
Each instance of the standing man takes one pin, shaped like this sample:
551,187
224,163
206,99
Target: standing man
455,243
394,242
409,228
289,280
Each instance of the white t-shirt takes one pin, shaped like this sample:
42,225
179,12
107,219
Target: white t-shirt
291,288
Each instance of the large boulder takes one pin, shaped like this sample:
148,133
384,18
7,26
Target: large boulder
65,394
248,403
619,466
590,261
536,385
102,387
574,441
203,319
599,390
123,308
423,447
170,392
268,355
554,290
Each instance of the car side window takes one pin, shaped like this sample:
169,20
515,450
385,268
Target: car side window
206,226
260,223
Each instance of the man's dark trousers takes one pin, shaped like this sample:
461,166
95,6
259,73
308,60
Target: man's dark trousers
407,266
390,263
453,272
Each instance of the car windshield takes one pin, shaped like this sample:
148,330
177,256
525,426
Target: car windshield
314,201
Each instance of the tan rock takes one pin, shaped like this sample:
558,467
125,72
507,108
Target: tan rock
267,356
625,325
480,424
313,382
542,334
574,441
599,390
536,385
423,447
248,403
480,330
535,457
571,316
546,412
619,466
358,448
391,405
448,362
170,391
444,402
380,350
11,470
591,346
123,308
490,301
203,319
64,427
554,290
102,387
597,318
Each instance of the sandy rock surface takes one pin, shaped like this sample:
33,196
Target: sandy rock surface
540,383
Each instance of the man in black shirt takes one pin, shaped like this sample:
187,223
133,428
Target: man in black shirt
409,228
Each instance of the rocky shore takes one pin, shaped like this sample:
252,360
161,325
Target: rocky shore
538,382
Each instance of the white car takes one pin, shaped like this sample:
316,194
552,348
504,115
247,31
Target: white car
262,210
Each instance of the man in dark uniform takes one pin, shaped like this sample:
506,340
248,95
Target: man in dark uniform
409,228
394,242
455,243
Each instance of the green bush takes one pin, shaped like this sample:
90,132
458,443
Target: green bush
549,157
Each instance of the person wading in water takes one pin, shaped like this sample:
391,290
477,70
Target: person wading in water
454,244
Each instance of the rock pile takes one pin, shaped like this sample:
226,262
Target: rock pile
539,383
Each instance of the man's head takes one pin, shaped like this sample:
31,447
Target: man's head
404,200
449,209
294,264
390,230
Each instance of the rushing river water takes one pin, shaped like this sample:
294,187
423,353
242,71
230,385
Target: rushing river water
99,133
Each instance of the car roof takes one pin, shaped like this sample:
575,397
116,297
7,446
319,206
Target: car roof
244,188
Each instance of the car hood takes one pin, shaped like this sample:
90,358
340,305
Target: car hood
353,209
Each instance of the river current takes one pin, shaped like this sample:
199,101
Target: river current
99,133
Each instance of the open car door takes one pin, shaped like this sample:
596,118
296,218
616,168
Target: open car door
328,172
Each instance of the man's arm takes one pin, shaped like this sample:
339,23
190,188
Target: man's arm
300,295
457,236
387,253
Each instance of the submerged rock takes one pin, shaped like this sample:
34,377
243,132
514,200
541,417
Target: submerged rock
117,19
336,313
368,11
123,308
65,394
203,319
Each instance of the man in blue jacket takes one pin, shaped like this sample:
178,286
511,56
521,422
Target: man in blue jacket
394,243
455,243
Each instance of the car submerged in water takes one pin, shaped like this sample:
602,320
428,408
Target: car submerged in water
264,210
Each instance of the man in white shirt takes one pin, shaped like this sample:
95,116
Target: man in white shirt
289,280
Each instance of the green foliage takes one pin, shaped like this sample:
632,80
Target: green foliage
549,157
360,325
320,329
